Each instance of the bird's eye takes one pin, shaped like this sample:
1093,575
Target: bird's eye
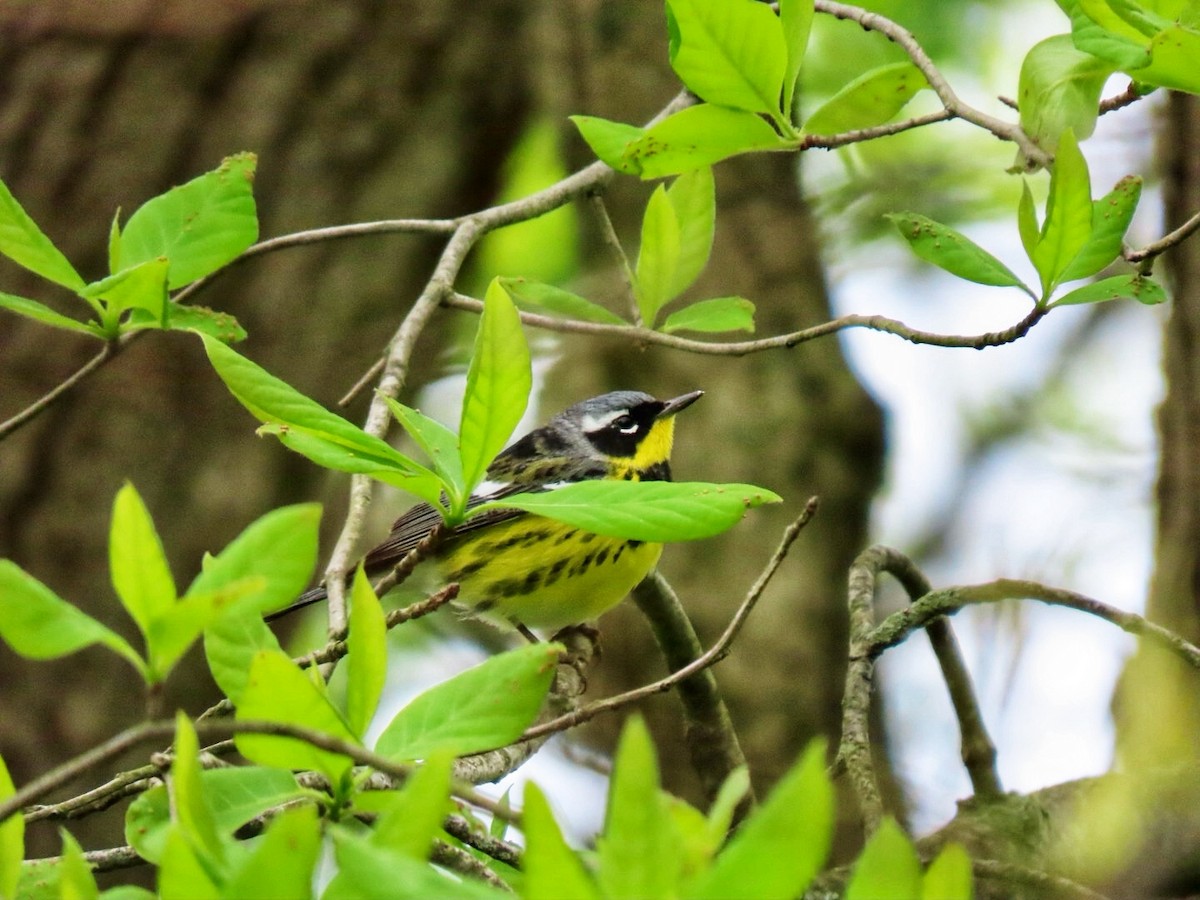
625,424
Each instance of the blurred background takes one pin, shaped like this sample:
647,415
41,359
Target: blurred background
1035,460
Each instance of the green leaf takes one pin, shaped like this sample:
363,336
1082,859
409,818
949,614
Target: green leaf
279,549
234,796
658,256
784,844
546,247
138,565
1027,223
219,325
1118,287
230,645
1059,89
698,136
871,99
1173,53
795,18
199,226
538,297
39,312
955,252
888,868
367,871
499,379
730,53
277,691
142,287
693,196
181,875
608,140
414,815
437,441
654,511
281,864
114,242
25,244
639,850
38,624
171,634
1097,30
1111,215
277,403
733,791
553,871
12,839
948,876
128,892
485,707
76,881
189,807
718,314
1068,224
366,663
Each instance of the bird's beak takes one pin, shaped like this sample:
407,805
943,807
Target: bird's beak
679,403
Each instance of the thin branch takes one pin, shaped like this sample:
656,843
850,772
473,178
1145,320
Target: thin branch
830,142
613,243
458,860
710,657
1127,97
947,601
782,341
1145,254
39,406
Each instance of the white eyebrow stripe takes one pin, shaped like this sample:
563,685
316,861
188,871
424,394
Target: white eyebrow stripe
595,423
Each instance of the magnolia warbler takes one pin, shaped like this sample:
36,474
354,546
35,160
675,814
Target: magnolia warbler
534,572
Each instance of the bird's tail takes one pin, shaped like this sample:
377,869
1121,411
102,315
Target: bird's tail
308,598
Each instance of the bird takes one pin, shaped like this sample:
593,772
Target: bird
524,571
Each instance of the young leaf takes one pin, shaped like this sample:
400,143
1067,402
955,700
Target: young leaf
639,850
1111,215
693,196
367,871
76,881
1068,224
888,868
1059,89
783,845
608,140
234,796
1027,223
12,839
281,864
795,18
277,691
538,297
482,708
25,244
181,875
552,869
142,287
658,256
730,53
437,441
1173,54
956,253
189,806
731,795
172,633
655,511
871,99
1118,287
38,624
279,549
415,814
199,226
219,325
39,312
366,663
231,642
499,379
948,876
138,565
717,314
699,136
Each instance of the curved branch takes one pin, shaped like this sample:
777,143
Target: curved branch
39,406
1145,254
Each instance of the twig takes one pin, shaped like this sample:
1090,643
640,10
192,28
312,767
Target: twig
712,656
708,730
947,601
458,827
830,142
458,860
1166,242
613,243
782,341
39,406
